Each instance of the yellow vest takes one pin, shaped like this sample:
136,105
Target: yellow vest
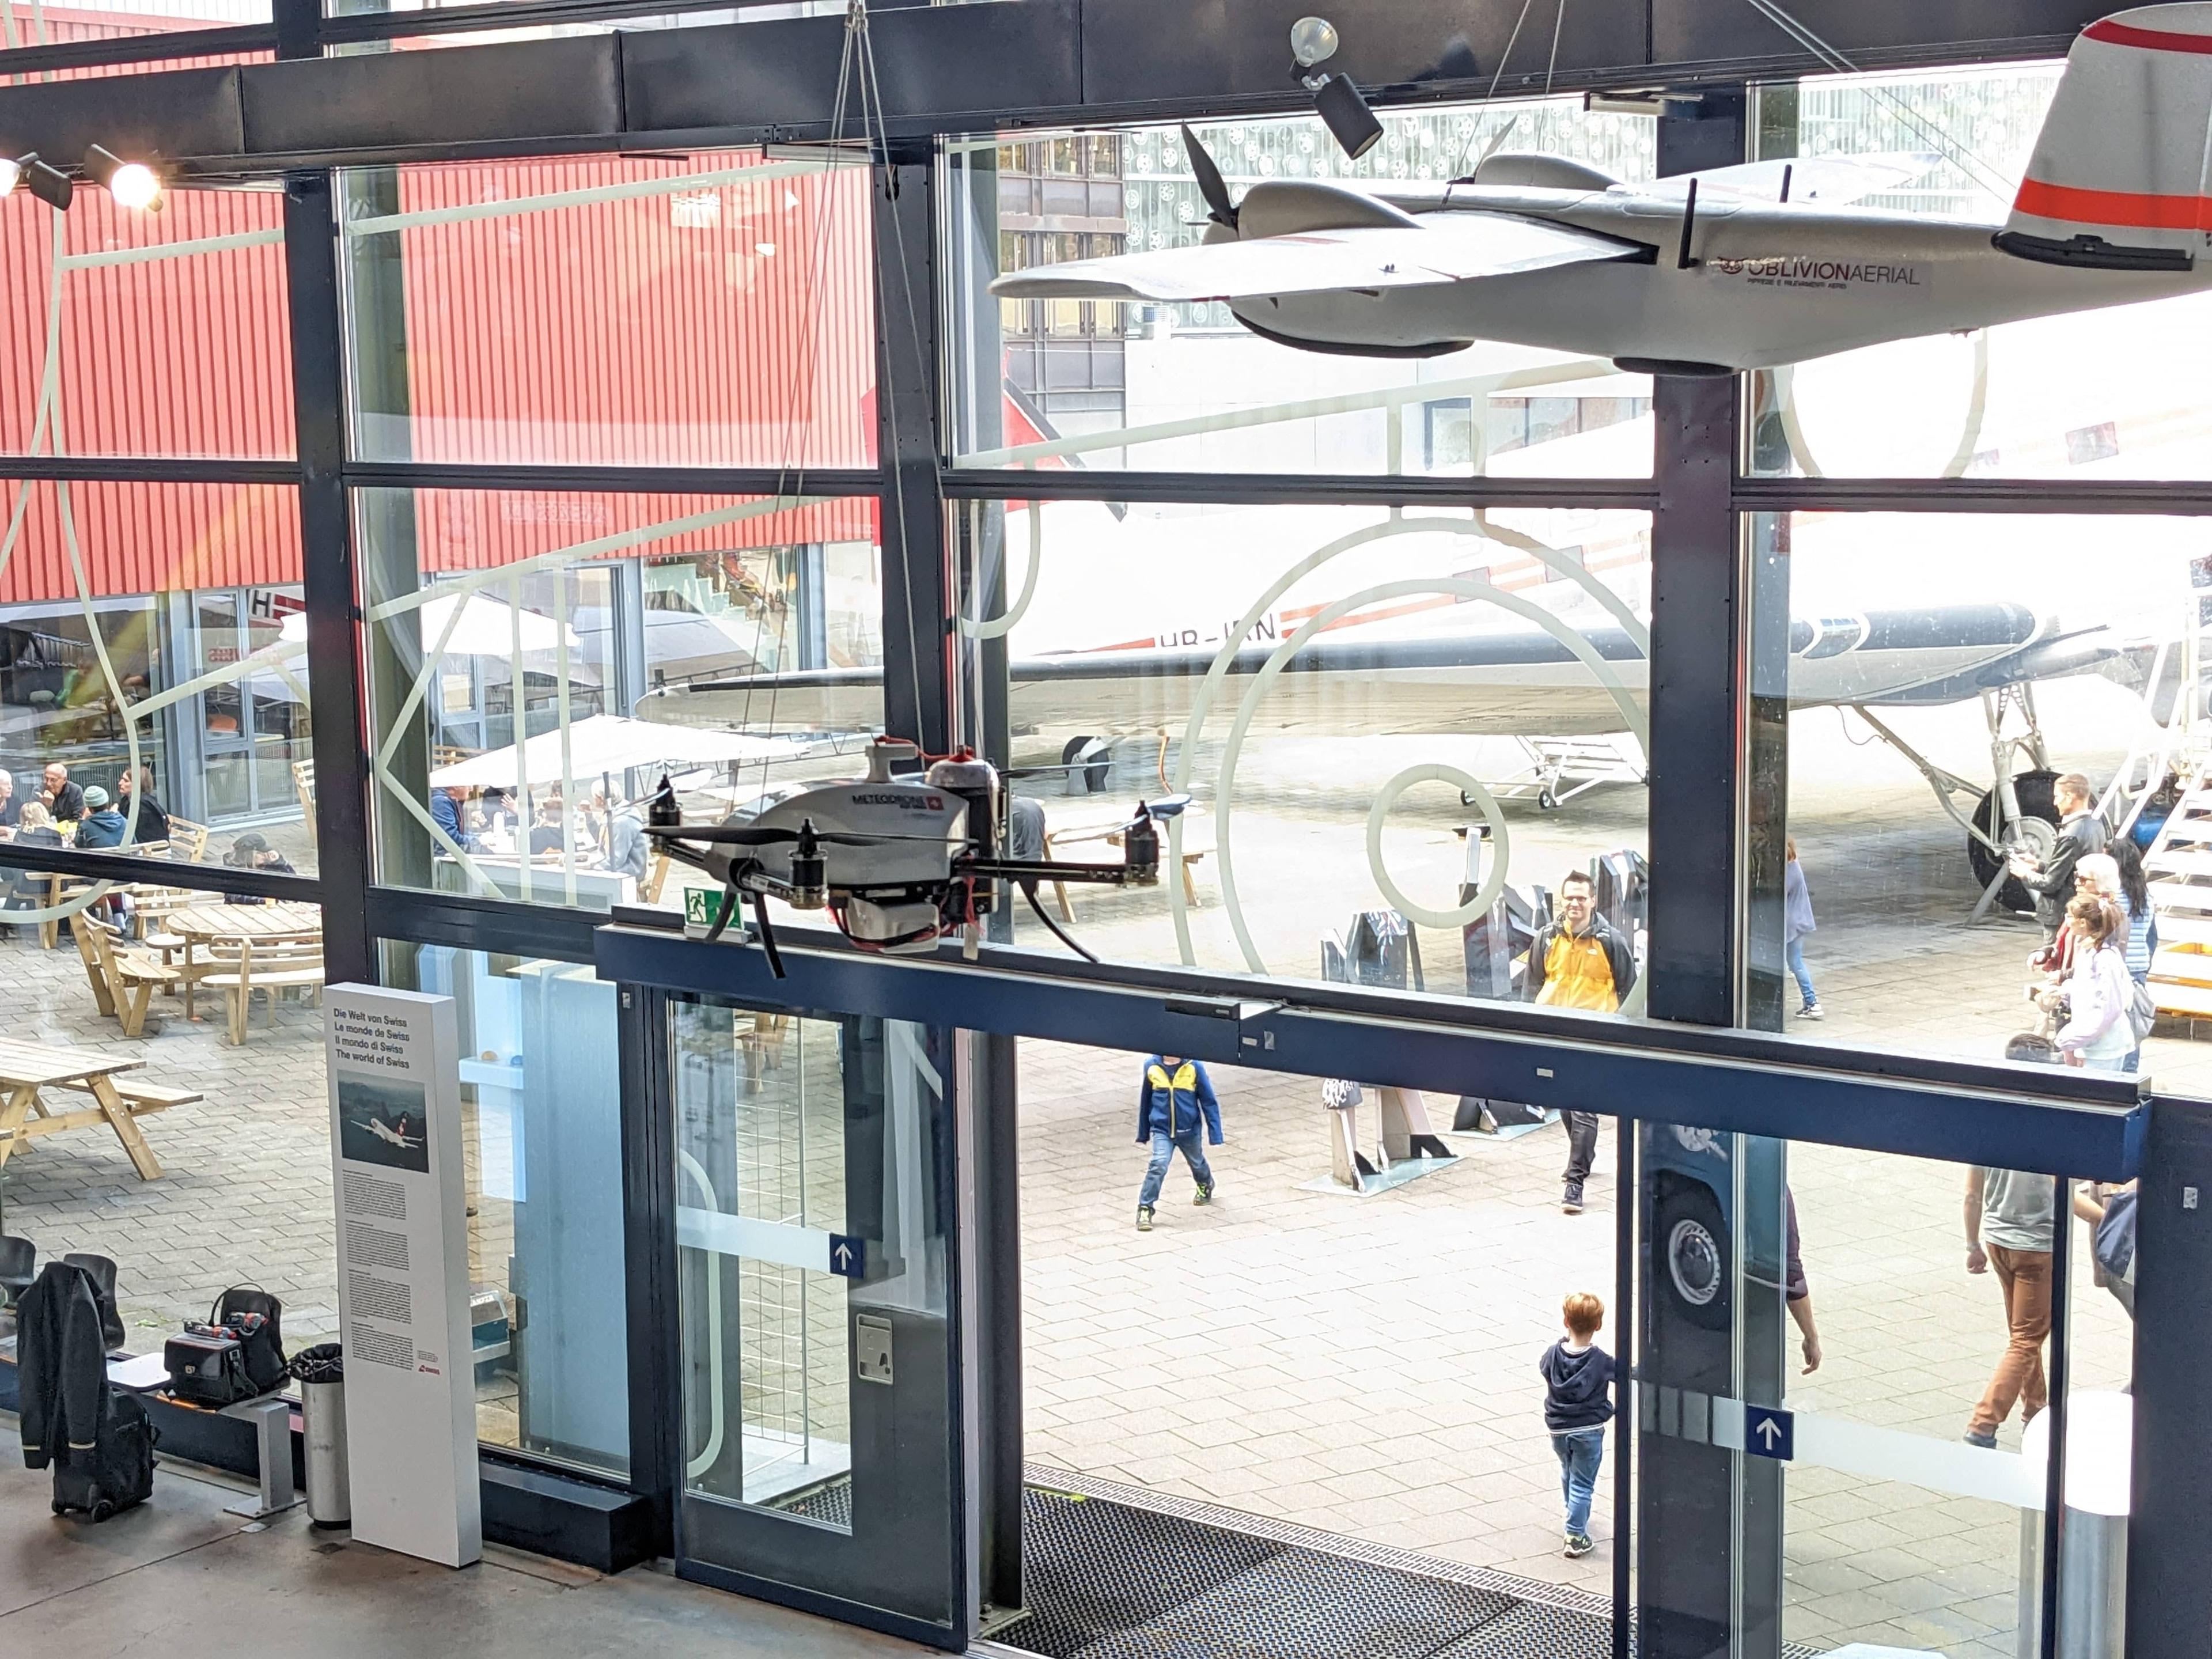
1577,974
1185,1081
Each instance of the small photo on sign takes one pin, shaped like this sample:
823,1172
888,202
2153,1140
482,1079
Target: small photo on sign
382,1123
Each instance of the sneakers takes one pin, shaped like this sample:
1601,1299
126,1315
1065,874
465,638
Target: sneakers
1986,1439
1812,1011
1578,1544
1203,1193
1143,1217
1570,1201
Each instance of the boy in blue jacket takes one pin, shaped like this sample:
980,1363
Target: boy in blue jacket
1172,1101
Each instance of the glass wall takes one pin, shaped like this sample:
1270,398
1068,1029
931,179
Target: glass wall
153,669
1186,387
539,661
169,331
711,310
1434,712
1946,674
2110,392
541,1143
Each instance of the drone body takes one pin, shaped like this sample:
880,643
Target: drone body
898,861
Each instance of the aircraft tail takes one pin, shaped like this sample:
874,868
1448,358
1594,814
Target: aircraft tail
2118,179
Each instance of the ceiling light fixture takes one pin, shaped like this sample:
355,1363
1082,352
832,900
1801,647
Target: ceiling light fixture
132,184
1314,40
49,184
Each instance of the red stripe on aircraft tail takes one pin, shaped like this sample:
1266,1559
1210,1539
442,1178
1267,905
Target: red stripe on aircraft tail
2116,33
2112,207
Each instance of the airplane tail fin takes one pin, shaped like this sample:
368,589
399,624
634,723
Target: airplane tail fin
2118,179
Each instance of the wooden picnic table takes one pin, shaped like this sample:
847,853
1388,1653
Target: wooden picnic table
201,925
1106,824
27,1068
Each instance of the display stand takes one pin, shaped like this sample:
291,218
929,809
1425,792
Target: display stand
1406,1148
394,1065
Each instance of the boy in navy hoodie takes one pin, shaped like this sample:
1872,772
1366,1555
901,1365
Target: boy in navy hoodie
1174,1103
1577,1405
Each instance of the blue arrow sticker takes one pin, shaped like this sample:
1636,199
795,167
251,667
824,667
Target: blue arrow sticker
848,1257
1769,1432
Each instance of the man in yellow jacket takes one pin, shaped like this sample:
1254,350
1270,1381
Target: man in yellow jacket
1577,961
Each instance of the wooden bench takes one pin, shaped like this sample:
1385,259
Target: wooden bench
238,968
303,785
122,980
1197,844
27,1068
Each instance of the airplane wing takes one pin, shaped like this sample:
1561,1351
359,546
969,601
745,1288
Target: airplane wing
1830,179
1445,248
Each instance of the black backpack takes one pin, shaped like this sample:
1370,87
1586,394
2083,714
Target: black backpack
266,1366
117,1471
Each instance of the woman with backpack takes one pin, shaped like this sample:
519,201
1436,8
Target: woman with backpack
2098,1032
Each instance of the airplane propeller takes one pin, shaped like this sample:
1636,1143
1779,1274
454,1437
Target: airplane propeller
1210,185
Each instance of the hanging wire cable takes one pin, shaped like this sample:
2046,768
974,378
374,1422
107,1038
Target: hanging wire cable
1837,62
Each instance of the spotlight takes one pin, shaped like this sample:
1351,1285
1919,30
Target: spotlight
132,184
49,184
1314,40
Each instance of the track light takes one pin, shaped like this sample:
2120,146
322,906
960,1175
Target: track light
132,184
1343,111
48,184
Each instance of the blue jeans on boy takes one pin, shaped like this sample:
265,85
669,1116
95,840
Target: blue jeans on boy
1192,1149
1580,1452
1793,954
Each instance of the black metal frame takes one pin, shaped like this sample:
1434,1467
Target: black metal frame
1094,72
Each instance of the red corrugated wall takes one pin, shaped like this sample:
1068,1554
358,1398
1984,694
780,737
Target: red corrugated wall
655,329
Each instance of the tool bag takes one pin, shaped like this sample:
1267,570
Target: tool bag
116,1472
237,1354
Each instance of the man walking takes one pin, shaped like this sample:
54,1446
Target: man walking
2008,1231
2080,833
1577,961
1174,1100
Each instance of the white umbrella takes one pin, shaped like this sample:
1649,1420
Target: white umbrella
487,627
606,744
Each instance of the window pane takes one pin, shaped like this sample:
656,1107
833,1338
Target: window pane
1187,386
1945,678
190,638
538,660
2112,392
1372,713
542,1143
172,331
711,311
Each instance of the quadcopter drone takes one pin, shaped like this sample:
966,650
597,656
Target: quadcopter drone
899,862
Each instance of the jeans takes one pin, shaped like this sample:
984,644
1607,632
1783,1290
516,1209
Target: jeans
1580,1452
1163,1151
2025,1276
1581,1145
1793,954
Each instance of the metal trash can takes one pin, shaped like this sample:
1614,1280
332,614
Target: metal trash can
320,1372
2093,1550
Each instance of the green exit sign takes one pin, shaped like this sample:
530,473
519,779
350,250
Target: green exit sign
701,906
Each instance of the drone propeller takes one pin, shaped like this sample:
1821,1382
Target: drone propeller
1221,210
756,835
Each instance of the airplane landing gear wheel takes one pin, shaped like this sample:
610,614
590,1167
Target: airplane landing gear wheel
1546,802
1098,763
2037,832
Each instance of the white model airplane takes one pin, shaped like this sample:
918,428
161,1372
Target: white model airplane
395,1137
1721,271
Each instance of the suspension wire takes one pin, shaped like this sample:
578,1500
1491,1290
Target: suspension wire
1504,57
879,136
1838,63
1558,24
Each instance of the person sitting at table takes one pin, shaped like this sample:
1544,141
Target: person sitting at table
29,890
628,844
546,836
252,851
449,811
152,822
10,808
63,799
101,825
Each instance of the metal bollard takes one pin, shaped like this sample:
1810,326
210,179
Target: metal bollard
321,1373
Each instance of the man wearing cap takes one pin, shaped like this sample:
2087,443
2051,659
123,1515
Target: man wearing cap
101,825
